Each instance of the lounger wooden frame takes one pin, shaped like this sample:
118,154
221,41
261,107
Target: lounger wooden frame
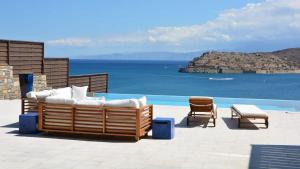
202,107
97,120
29,105
235,113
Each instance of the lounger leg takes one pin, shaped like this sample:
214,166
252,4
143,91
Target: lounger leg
267,123
239,123
214,122
187,121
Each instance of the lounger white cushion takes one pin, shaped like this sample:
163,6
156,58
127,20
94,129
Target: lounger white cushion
122,103
79,93
249,111
201,97
60,100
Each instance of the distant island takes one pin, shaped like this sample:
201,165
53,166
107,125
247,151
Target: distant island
283,61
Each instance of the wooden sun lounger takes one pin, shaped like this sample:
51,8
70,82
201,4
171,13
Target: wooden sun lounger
202,106
248,112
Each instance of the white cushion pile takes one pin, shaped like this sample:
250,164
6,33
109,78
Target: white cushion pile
78,95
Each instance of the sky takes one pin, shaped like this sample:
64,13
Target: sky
78,28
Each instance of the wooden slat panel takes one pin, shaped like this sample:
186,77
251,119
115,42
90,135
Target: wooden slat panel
27,50
91,120
113,131
23,45
3,49
96,82
3,53
26,64
26,59
25,54
3,44
60,69
57,71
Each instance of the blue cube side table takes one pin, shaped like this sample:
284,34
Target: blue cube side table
28,123
163,128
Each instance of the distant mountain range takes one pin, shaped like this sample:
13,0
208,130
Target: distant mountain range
282,61
144,56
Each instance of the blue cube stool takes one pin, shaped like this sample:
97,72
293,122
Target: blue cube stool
28,123
163,128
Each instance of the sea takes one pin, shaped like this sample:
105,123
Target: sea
163,78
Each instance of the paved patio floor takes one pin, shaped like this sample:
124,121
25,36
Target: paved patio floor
223,146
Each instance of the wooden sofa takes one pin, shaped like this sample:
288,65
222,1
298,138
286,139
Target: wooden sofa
96,120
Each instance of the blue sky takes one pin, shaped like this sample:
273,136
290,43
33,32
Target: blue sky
77,28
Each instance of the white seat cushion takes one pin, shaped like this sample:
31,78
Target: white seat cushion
43,94
215,108
59,100
142,101
31,95
93,101
90,102
95,98
122,103
249,110
79,93
63,92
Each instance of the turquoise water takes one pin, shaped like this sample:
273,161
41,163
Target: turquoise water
164,85
266,104
163,78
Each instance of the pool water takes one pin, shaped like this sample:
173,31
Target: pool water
266,104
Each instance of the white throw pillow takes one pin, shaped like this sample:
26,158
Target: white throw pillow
58,99
122,103
63,92
79,93
142,101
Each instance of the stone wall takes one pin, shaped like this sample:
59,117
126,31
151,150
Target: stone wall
10,86
40,83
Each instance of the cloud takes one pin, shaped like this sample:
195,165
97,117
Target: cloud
269,21
70,42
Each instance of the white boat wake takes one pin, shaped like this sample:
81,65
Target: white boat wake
229,78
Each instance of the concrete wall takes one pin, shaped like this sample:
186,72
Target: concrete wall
10,86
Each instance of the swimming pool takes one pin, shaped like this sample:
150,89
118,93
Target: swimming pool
266,104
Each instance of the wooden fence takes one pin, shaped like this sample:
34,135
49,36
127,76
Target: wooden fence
96,82
23,56
28,57
57,72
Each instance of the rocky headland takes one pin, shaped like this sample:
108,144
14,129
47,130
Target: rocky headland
283,61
